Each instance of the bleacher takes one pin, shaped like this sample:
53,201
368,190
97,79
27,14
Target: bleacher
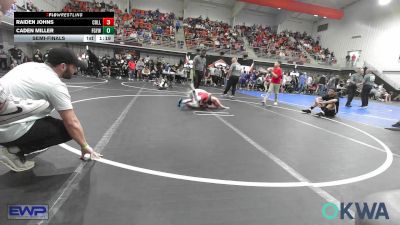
138,27
215,36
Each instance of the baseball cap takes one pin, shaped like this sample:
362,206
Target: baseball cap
64,55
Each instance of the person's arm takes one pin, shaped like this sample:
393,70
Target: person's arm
229,72
320,99
330,101
365,79
75,130
273,73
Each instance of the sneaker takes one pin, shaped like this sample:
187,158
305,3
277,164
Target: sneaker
180,101
348,106
320,114
14,109
13,162
363,107
306,111
232,97
396,125
275,103
224,95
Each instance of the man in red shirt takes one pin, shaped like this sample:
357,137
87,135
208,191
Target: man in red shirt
275,85
132,68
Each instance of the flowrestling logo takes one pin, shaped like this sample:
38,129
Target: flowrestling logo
363,211
28,212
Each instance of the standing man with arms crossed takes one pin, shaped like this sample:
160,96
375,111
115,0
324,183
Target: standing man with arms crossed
41,81
368,83
233,77
276,80
199,66
355,81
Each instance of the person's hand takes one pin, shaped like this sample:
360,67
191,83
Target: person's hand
270,69
89,150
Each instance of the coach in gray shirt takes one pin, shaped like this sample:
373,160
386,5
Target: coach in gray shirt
233,76
355,81
368,83
199,65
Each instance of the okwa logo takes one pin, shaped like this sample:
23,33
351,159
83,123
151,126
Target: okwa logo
362,211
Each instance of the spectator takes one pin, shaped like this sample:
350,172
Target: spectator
146,73
331,83
37,56
276,73
321,85
5,5
353,60
309,81
329,104
177,25
132,68
347,59
46,56
12,9
3,58
302,82
139,67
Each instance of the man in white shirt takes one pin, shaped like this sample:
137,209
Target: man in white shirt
41,81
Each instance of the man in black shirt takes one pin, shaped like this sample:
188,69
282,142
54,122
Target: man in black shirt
329,104
321,85
37,56
46,55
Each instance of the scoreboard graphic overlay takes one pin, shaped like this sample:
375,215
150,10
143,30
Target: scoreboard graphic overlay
64,27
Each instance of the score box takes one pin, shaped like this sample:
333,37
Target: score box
108,22
108,30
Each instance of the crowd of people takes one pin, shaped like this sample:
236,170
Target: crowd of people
286,45
12,57
146,27
134,68
214,35
136,26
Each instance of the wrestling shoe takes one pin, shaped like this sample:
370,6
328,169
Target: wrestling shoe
319,114
14,162
306,111
397,125
180,101
13,109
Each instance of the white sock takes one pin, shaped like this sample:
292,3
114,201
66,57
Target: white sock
266,97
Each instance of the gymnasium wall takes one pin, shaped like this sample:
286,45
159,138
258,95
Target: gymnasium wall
250,17
57,5
46,5
368,27
292,24
175,6
214,12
